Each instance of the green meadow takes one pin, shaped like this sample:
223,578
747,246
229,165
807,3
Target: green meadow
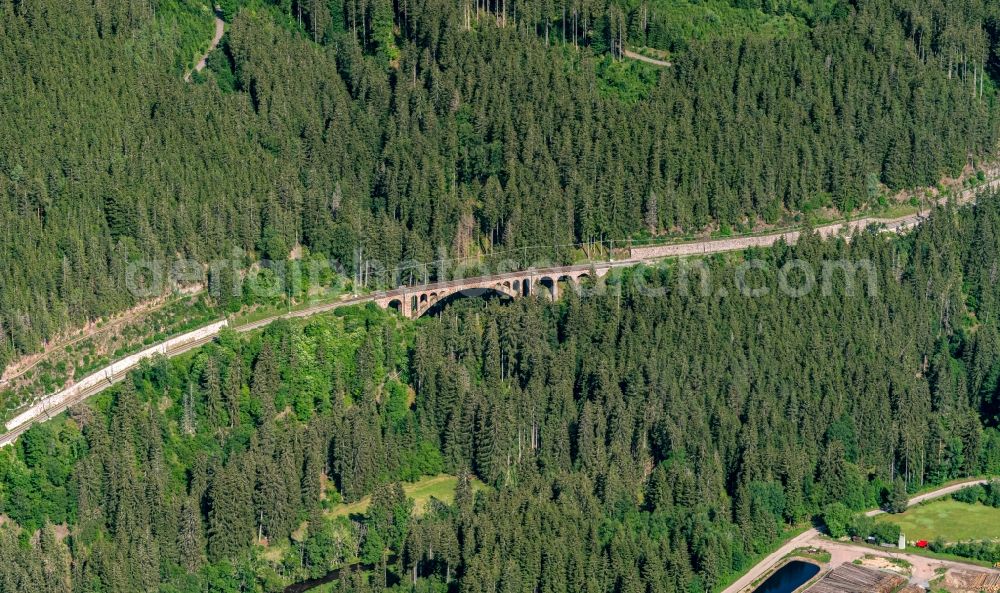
949,520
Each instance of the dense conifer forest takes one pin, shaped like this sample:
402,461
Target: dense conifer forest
642,437
421,130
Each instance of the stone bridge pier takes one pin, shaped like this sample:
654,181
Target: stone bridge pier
414,301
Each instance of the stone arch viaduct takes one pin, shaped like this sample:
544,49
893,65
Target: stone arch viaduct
414,301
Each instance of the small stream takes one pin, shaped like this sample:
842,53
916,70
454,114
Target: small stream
334,575
331,576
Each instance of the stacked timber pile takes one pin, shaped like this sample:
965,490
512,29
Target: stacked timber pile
973,580
851,578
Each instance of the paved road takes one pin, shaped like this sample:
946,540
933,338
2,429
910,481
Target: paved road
764,565
933,494
808,536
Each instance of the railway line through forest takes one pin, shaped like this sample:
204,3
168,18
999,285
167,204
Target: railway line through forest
96,382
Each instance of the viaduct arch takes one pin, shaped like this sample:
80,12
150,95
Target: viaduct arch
415,301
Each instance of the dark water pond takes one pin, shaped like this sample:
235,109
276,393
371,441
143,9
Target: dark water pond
788,578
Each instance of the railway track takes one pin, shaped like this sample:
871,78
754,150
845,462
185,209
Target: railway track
56,409
181,346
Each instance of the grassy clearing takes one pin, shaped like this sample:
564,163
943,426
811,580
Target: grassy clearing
188,25
441,487
949,520
628,80
817,554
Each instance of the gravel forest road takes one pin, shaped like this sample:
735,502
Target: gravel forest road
220,30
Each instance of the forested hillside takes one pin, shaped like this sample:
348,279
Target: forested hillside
428,129
644,438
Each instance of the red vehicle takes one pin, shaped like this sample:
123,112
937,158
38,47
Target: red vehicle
922,543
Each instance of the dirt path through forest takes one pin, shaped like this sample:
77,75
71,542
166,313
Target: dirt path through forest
636,56
220,30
